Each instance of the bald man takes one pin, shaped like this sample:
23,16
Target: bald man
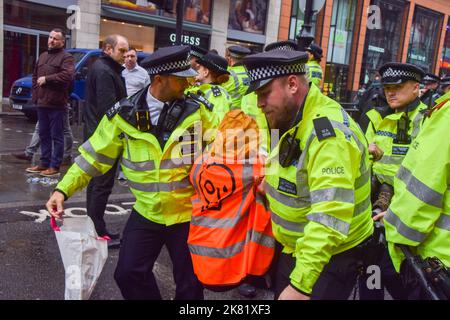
104,87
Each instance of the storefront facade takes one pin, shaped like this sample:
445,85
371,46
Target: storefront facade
207,23
358,36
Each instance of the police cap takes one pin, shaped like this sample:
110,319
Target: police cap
197,51
215,63
445,81
263,67
396,73
238,51
430,78
172,60
282,45
316,50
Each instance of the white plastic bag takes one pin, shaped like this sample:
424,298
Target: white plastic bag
83,253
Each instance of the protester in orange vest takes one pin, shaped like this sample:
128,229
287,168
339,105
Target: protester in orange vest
230,235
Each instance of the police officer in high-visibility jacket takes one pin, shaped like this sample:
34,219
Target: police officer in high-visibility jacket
419,215
317,180
314,69
429,94
390,136
212,74
155,133
238,83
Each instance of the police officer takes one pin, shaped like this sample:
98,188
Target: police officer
238,83
314,68
390,136
153,134
430,91
195,54
419,215
317,180
212,73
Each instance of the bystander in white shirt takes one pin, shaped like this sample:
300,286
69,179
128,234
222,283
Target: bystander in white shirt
135,76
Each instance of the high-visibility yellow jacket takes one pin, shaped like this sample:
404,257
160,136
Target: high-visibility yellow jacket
419,214
237,85
383,132
216,95
158,178
249,105
320,204
314,72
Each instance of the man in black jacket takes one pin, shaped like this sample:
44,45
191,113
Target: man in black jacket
104,87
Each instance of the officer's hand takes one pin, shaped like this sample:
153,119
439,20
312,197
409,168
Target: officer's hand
41,81
54,205
375,151
379,216
289,293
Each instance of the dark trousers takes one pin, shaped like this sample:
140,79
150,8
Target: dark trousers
51,134
390,280
141,244
97,194
336,281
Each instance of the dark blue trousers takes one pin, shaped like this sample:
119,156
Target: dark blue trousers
51,134
141,244
390,280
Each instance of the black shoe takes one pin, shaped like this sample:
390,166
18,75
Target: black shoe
114,243
112,236
67,161
22,156
247,290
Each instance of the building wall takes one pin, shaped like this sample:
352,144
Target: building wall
285,19
1,55
221,12
87,36
273,21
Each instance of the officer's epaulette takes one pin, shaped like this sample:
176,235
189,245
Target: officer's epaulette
200,99
121,105
324,128
216,91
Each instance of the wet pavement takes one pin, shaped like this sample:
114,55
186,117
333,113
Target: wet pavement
31,266
15,134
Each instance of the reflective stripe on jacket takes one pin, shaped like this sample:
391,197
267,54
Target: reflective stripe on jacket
320,205
419,214
237,85
383,132
159,179
230,235
314,72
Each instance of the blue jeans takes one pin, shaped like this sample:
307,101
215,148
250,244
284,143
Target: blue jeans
35,142
51,134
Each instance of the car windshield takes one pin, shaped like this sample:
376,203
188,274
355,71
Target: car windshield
78,56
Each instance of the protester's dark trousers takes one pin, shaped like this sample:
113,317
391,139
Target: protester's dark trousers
141,244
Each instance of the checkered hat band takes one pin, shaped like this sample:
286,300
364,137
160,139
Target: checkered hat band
196,54
285,47
392,73
215,65
266,72
173,66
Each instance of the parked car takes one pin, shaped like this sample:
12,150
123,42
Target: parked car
20,94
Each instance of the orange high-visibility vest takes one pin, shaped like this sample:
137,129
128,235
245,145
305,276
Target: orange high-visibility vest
230,233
